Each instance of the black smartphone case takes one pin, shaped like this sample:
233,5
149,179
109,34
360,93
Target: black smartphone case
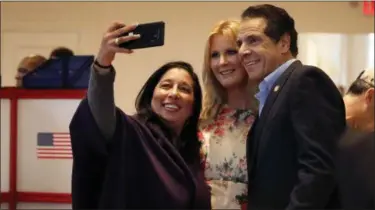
152,35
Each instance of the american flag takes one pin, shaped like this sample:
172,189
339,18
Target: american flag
54,146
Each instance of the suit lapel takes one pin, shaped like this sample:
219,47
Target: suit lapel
274,92
258,127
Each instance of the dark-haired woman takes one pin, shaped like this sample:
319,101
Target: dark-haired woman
147,161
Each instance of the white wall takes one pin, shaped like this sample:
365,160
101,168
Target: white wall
341,56
358,57
323,50
188,24
371,49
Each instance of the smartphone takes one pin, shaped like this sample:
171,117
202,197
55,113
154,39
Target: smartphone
152,35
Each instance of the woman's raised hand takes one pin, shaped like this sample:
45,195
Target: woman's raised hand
112,39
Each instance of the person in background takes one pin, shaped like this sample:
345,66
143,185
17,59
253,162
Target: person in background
229,109
291,146
359,102
60,52
150,160
28,64
356,157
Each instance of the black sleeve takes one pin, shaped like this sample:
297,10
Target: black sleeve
318,117
90,154
356,169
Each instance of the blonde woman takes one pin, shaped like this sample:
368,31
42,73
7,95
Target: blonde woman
229,109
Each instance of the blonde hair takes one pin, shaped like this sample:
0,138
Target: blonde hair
214,93
31,62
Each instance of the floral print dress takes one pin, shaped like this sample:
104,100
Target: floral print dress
224,150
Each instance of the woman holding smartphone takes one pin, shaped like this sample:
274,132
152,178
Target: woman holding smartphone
149,160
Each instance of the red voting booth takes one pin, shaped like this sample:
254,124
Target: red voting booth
27,176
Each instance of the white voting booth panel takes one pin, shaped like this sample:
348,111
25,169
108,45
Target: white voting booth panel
3,206
36,157
5,144
40,206
36,174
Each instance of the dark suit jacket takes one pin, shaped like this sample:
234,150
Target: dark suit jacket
356,170
291,145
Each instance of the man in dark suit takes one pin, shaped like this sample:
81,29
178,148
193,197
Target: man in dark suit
356,156
291,146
